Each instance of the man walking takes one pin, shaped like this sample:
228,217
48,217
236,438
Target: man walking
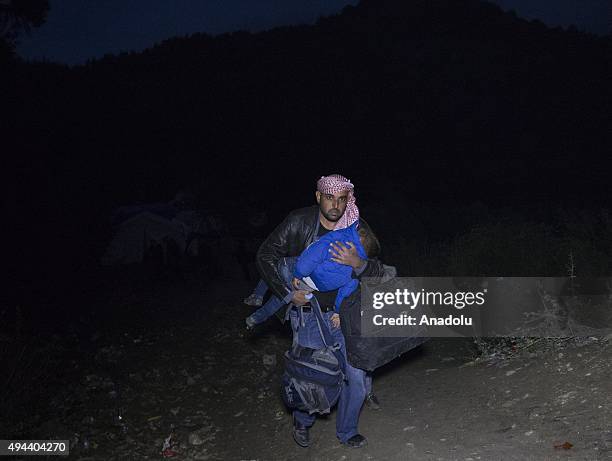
335,208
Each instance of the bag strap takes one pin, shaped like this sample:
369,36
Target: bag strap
323,326
326,335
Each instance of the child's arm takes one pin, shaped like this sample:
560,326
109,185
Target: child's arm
344,292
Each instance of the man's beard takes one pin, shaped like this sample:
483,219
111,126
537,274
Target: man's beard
331,217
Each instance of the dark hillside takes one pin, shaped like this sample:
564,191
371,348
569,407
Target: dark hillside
433,100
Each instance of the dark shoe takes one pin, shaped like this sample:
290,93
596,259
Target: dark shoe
250,323
372,401
301,434
356,441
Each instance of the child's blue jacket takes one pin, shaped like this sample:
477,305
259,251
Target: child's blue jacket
315,262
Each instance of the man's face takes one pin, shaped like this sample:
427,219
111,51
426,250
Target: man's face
332,206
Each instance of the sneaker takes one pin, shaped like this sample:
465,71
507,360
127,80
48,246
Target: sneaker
253,300
250,323
301,434
356,441
372,401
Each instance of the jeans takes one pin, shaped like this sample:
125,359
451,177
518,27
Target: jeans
353,391
267,310
261,289
274,303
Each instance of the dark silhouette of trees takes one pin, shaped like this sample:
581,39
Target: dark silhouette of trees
17,16
21,15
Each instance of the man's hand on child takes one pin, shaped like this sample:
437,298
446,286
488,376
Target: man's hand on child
345,254
299,297
335,319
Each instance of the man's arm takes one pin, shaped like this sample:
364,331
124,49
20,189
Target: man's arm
347,254
373,268
270,253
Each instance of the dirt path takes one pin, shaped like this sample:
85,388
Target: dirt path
182,366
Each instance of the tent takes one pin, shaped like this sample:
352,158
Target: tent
137,229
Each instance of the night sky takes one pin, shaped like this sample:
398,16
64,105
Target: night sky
78,30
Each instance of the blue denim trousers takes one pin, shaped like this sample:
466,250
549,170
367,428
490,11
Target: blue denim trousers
261,288
268,309
352,396
274,303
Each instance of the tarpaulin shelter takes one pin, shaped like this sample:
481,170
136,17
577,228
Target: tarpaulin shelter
165,225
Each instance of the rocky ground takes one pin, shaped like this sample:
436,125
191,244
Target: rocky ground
167,370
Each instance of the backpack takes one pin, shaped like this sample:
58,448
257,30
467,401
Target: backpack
313,378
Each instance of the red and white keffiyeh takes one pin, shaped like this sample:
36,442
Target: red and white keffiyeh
334,184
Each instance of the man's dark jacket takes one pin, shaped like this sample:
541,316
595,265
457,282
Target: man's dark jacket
290,238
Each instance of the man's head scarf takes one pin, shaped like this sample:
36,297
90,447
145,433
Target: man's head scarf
334,184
